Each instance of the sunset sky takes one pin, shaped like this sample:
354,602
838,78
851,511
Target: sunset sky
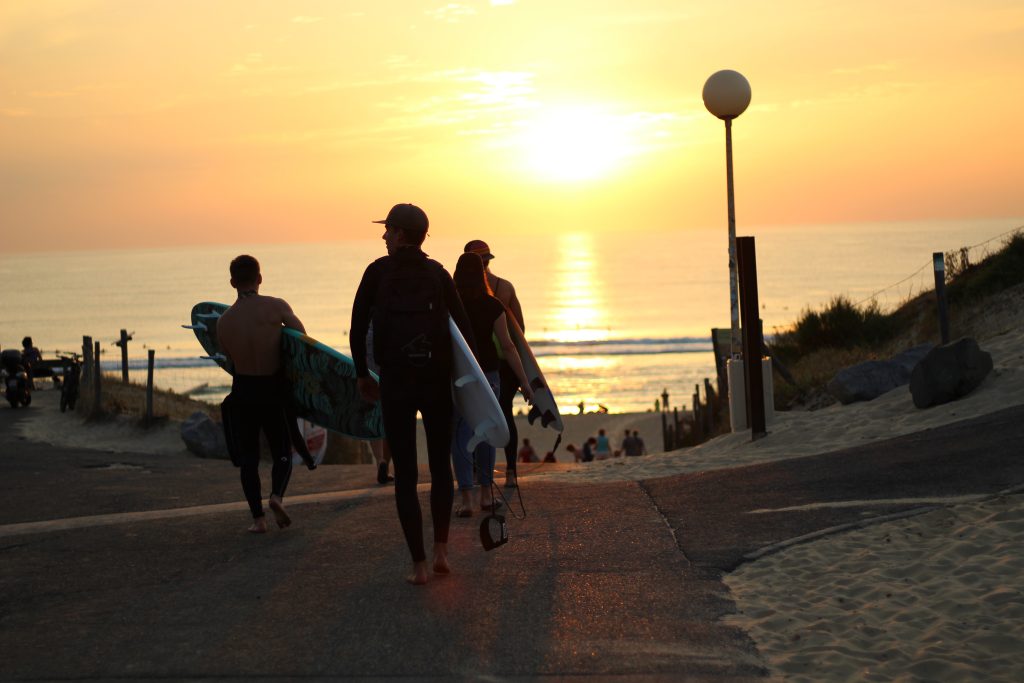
150,123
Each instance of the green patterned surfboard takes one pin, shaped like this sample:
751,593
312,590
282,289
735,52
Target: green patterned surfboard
323,381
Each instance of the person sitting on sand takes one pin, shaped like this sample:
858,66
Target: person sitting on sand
249,334
588,449
577,455
604,448
638,445
527,453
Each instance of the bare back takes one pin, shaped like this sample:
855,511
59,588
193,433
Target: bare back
506,294
249,333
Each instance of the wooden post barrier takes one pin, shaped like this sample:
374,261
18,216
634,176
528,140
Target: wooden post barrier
664,431
149,386
938,261
86,360
752,342
123,343
97,380
709,393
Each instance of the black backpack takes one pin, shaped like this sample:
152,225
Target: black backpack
410,317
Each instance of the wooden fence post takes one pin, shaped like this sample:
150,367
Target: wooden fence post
97,380
86,360
664,430
123,343
940,293
752,342
149,387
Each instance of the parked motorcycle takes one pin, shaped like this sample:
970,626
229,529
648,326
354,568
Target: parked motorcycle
17,389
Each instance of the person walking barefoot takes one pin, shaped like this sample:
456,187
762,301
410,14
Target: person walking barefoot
249,334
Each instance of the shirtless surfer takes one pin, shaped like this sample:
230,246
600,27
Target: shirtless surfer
249,334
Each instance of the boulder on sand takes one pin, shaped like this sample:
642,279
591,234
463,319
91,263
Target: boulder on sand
203,436
949,372
870,379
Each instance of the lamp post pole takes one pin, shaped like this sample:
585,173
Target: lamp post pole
727,95
734,308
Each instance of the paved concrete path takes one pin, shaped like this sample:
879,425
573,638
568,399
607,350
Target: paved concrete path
136,566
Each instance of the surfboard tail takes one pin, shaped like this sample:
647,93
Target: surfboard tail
546,416
480,436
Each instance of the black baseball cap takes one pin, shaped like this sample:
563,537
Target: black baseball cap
406,217
479,247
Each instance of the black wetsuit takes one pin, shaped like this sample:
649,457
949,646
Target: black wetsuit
406,391
257,403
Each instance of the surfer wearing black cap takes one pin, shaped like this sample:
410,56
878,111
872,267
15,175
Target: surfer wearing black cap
249,334
408,298
504,292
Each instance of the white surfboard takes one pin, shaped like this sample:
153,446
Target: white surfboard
316,441
474,400
544,406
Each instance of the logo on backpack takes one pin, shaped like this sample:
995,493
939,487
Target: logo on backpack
410,319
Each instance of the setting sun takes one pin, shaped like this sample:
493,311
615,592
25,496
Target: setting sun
575,143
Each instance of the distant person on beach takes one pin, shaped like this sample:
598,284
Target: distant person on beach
249,334
633,445
527,453
408,297
603,449
626,444
504,292
638,443
588,449
577,455
487,317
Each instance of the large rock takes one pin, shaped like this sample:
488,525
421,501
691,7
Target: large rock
949,372
204,437
865,381
870,379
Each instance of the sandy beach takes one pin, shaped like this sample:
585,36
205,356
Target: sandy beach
932,596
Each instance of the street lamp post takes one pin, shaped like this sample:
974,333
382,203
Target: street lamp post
727,95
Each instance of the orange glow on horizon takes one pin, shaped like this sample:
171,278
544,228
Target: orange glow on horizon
148,124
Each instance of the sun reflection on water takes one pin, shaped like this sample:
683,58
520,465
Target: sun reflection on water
579,312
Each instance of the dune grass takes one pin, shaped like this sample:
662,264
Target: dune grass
841,334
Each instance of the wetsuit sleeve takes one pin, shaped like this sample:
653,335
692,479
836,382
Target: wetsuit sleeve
362,311
458,311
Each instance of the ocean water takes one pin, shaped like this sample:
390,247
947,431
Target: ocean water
615,319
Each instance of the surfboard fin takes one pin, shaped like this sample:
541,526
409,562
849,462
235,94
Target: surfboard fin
208,315
546,418
480,435
217,357
464,380
200,326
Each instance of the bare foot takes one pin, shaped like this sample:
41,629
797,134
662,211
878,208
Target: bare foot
259,526
419,574
441,565
280,516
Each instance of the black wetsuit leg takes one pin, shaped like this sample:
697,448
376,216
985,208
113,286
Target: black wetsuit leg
256,405
401,398
506,395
